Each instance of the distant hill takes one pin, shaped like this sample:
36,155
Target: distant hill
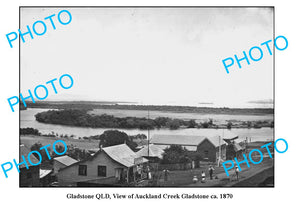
90,105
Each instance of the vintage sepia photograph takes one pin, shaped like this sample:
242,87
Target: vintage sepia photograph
147,97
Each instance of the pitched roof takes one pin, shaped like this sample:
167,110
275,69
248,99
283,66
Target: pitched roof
216,140
228,135
122,154
239,140
154,151
44,172
25,151
66,160
237,147
94,150
185,140
119,153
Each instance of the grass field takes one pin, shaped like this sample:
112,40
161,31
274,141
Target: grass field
29,140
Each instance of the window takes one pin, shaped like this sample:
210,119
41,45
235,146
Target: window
82,170
102,171
206,153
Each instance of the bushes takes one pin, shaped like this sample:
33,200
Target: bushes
29,131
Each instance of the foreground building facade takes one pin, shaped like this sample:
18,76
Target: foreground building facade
108,166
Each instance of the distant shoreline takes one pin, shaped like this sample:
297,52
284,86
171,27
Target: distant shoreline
90,105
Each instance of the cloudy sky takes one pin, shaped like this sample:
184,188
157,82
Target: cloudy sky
169,56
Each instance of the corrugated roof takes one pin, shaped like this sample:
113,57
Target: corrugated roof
229,135
154,151
216,140
119,153
237,147
66,160
122,154
185,140
239,140
25,151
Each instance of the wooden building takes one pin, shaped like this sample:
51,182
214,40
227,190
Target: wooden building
109,166
208,148
151,152
62,162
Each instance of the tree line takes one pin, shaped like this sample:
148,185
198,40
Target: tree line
79,117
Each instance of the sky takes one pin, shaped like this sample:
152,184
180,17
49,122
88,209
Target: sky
163,56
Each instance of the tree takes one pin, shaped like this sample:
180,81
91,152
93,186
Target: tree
36,147
115,137
161,121
140,136
145,124
229,125
175,154
249,124
192,123
173,124
205,124
72,151
29,131
59,149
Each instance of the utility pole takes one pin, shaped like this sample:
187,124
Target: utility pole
246,145
219,151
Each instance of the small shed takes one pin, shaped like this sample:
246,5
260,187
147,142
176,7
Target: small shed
154,152
62,162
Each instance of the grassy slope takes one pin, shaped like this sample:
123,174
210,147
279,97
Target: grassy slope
29,140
